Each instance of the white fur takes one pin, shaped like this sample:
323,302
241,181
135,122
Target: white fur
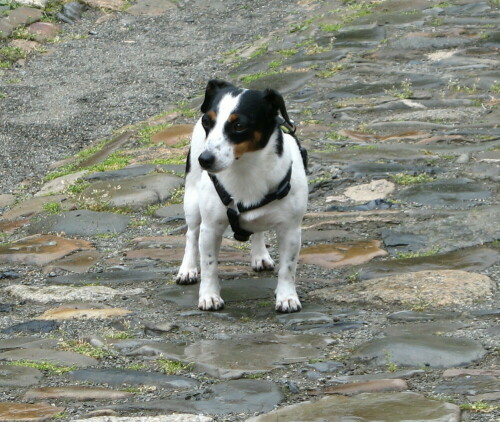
248,179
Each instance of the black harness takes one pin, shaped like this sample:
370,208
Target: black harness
233,214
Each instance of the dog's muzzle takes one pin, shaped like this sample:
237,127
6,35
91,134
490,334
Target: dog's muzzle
206,160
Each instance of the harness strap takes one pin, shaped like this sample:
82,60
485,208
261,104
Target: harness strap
233,214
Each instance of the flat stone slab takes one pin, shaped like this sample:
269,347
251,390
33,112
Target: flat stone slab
173,135
31,327
282,82
124,173
59,184
236,396
456,193
57,357
231,291
171,212
341,254
367,407
135,193
33,206
253,353
377,189
120,377
449,229
43,31
419,350
418,316
27,342
19,376
78,262
373,386
36,412
40,249
470,259
178,417
48,294
469,385
82,312
81,223
430,288
108,278
394,152
76,393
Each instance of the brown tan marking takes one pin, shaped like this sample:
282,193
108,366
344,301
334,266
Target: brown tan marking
233,117
250,145
212,114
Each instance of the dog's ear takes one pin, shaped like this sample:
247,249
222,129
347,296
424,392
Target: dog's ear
275,99
213,86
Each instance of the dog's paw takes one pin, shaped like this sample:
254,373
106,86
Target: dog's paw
210,302
262,264
187,277
288,304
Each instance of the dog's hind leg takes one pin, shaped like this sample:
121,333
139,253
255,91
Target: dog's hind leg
287,299
261,260
188,271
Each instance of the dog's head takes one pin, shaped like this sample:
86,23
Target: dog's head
236,122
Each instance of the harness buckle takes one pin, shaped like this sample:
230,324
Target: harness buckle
240,234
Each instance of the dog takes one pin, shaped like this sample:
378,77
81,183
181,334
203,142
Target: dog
244,168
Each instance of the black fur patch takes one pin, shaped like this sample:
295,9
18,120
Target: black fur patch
279,144
188,162
252,115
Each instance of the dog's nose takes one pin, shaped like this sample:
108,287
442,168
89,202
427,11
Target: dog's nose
206,159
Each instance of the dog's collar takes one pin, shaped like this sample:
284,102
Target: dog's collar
233,213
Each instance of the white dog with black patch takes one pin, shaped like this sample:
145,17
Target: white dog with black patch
244,170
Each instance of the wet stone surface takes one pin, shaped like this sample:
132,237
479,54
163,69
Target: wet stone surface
397,103
421,351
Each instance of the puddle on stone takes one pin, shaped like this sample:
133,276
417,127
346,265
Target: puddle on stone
236,356
40,250
79,262
77,312
173,135
366,407
231,291
420,350
11,226
104,152
78,393
457,193
81,223
28,412
339,255
470,259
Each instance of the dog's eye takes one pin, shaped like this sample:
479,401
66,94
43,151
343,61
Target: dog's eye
239,127
206,122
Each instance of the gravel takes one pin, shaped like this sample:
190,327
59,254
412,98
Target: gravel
134,67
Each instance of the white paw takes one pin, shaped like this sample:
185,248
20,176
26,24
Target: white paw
288,304
210,302
187,276
260,263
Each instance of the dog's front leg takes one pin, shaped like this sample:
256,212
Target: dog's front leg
210,240
287,299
